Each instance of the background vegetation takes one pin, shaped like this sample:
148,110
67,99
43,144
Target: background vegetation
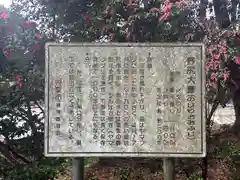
27,25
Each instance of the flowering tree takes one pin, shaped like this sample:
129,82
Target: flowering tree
21,87
177,20
121,21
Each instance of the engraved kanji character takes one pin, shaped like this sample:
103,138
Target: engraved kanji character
159,111
191,128
57,132
191,89
110,59
102,143
191,70
190,60
191,80
126,143
172,142
95,136
79,142
165,128
57,126
102,136
126,136
142,119
141,70
159,120
149,65
118,65
118,143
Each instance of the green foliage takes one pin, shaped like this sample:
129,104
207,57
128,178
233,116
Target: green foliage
46,169
194,177
231,151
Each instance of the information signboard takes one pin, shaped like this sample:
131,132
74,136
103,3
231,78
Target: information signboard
125,100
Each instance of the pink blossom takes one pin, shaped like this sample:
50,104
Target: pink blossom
225,75
210,84
7,53
132,3
154,10
164,16
168,7
111,36
237,60
3,15
223,43
19,84
208,66
180,4
214,77
85,15
223,51
18,78
106,10
216,56
166,10
38,36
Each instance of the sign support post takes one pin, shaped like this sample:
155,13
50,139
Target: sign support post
122,100
169,168
78,168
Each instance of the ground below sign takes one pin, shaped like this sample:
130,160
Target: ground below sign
125,100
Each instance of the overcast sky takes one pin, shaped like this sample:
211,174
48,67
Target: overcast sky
6,3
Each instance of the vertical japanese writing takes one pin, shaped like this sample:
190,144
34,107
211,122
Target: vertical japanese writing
71,86
159,116
79,91
118,101
94,85
134,98
149,61
110,101
191,97
174,94
103,102
178,101
126,118
87,61
141,103
58,98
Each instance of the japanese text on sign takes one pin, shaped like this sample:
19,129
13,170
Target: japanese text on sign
125,100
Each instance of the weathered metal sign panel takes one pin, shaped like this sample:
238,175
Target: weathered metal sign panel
125,100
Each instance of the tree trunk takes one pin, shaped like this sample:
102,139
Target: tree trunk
11,155
203,9
235,91
36,136
236,103
234,10
221,13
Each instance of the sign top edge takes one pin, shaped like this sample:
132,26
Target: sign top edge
124,44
